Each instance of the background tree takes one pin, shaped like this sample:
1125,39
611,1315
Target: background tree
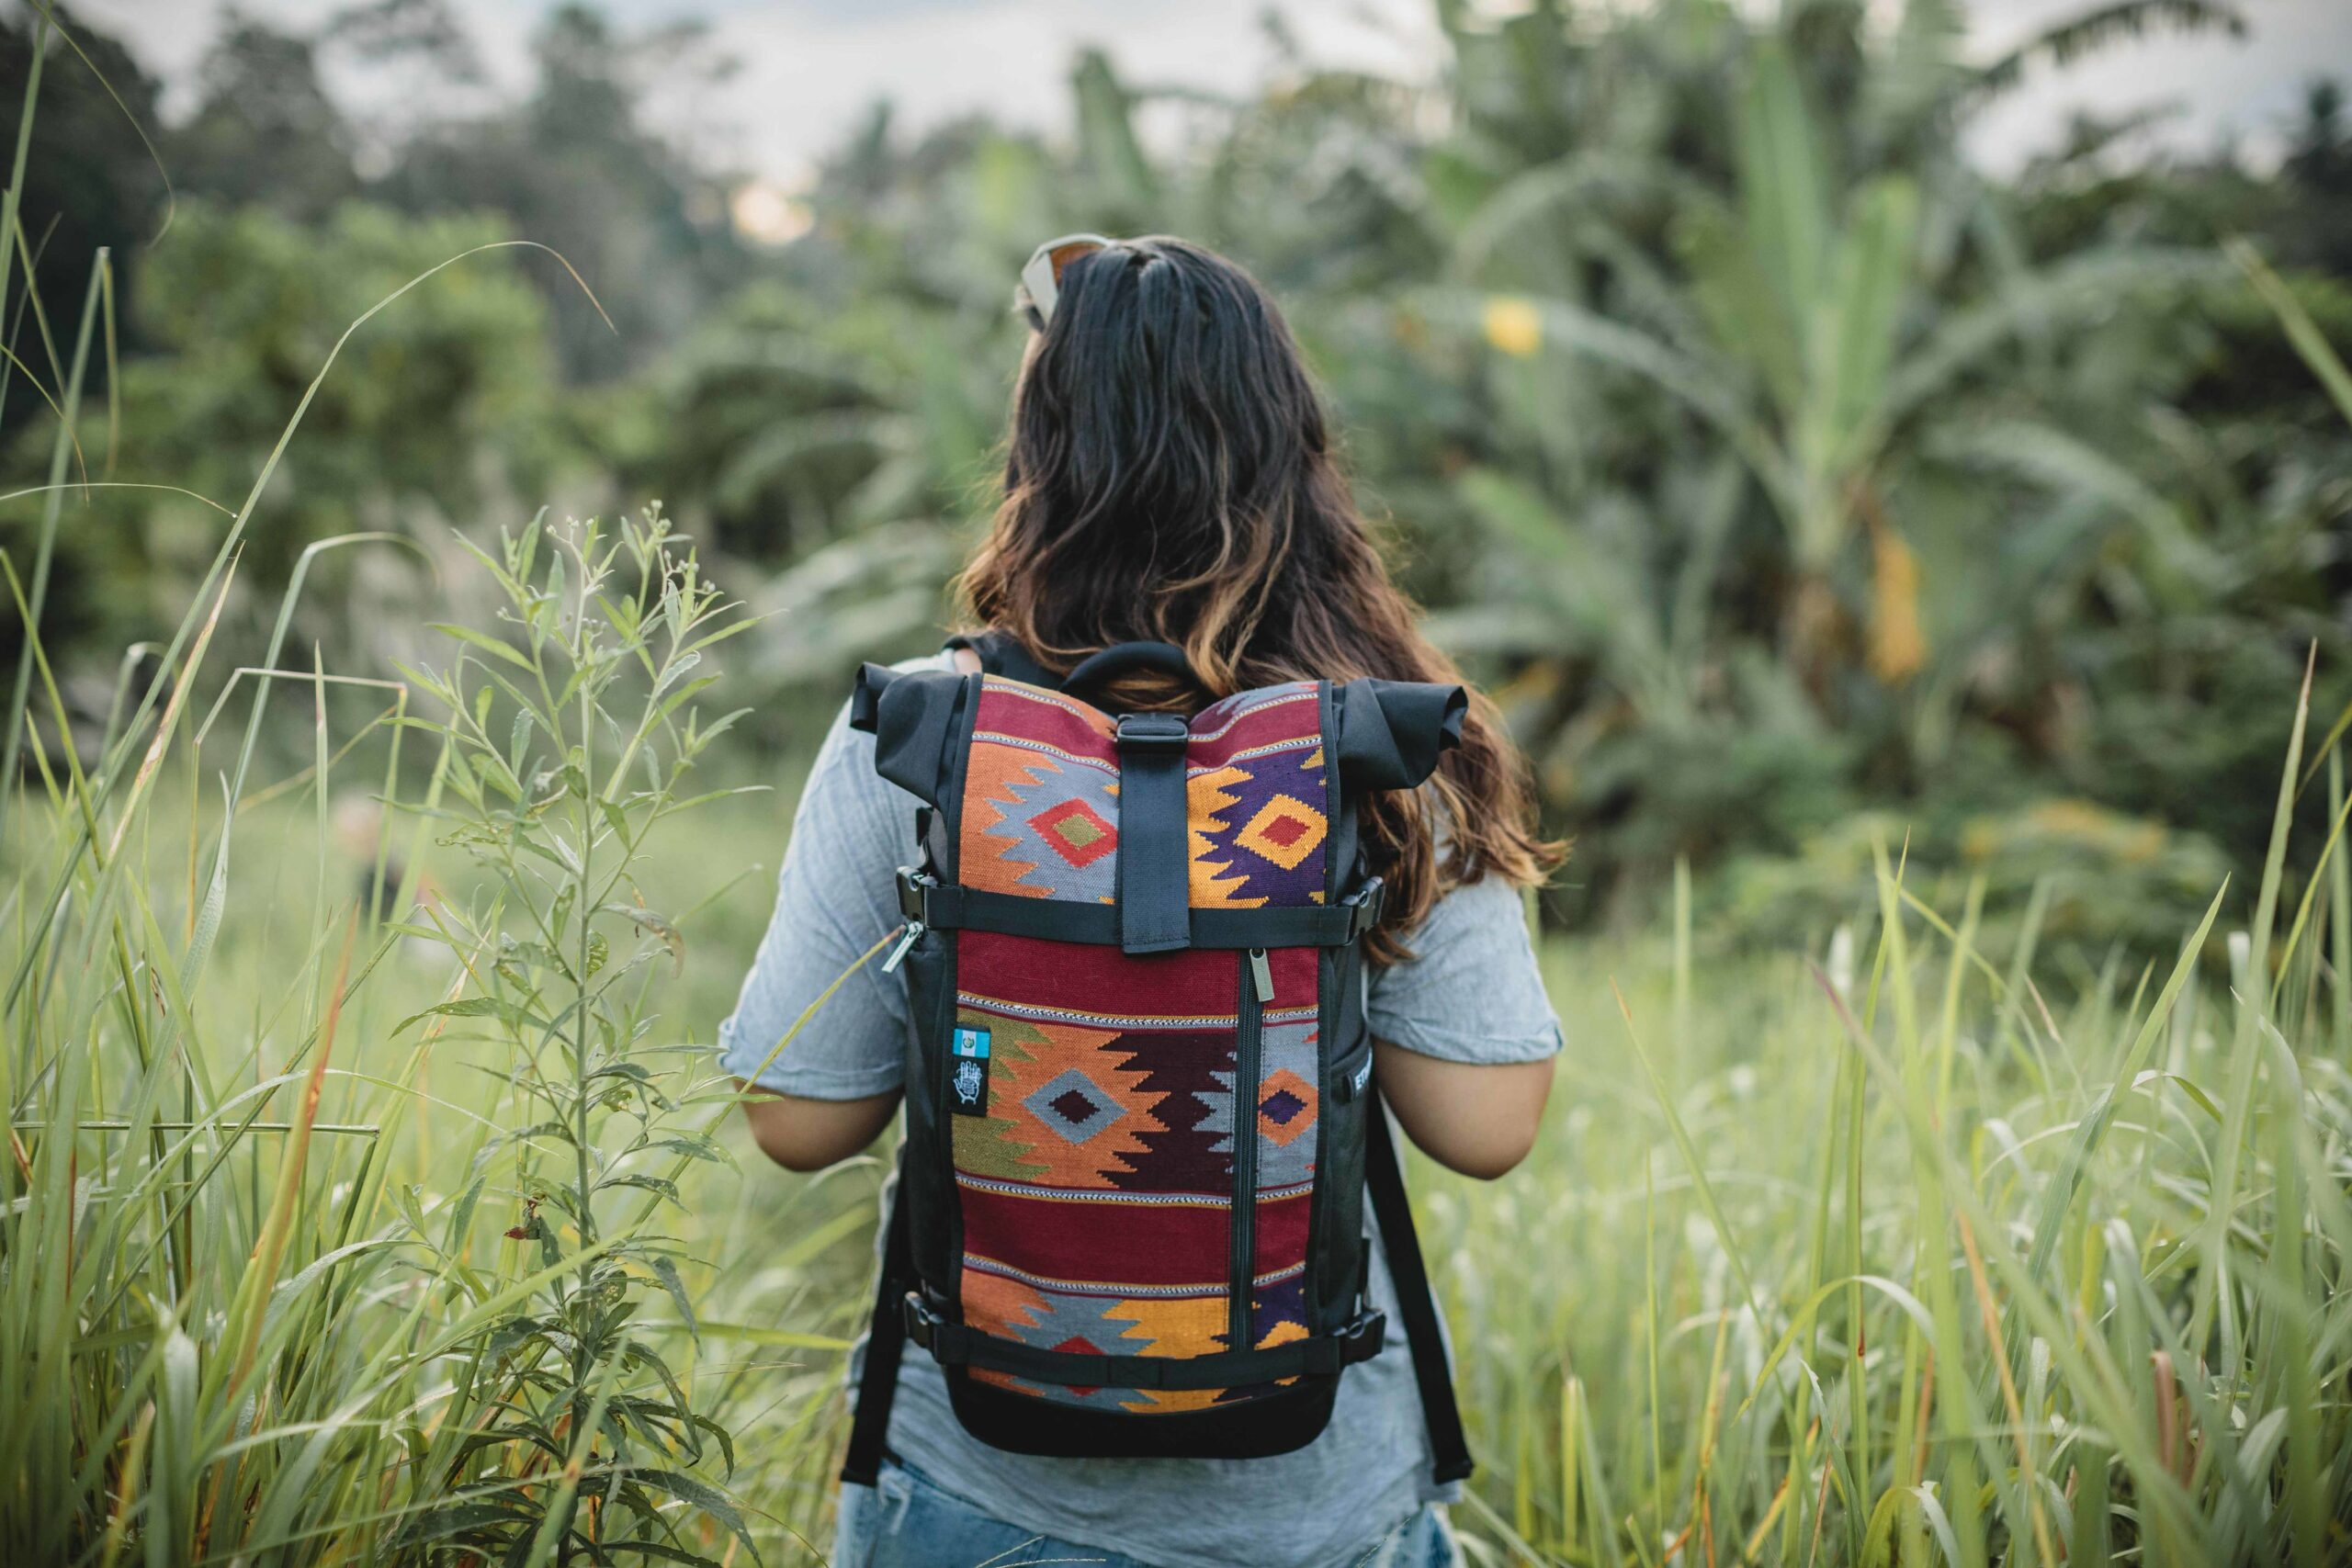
1771,459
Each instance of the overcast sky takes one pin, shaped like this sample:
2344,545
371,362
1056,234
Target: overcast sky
811,67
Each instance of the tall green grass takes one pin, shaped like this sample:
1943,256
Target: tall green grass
1903,1259
1656,1318
335,1236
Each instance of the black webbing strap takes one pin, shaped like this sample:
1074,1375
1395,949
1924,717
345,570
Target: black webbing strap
1155,894
877,1384
946,907
1384,1183
959,1345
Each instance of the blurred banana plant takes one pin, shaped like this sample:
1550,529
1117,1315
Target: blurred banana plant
1792,436
1594,591
1816,324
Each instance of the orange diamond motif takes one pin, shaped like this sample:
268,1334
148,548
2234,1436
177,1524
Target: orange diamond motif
1285,831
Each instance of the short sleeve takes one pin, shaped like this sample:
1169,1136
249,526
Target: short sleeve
835,898
1472,991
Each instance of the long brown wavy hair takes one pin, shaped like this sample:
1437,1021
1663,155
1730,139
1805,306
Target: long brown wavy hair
1171,478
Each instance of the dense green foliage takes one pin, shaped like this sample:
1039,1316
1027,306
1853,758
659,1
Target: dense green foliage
1769,459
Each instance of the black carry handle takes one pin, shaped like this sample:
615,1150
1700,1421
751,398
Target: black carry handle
1121,658
1000,654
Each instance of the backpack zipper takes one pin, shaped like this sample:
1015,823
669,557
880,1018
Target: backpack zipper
1257,988
912,934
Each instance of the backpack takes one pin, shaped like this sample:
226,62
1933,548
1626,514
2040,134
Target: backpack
1117,920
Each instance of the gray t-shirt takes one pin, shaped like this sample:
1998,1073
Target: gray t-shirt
1471,994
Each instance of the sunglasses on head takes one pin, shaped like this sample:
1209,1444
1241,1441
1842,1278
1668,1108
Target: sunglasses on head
1041,279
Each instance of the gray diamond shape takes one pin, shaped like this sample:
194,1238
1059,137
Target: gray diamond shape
1052,1101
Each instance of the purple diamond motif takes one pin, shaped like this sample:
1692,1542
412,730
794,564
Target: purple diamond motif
1281,1106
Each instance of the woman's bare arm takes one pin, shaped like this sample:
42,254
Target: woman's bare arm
809,1134
1475,1118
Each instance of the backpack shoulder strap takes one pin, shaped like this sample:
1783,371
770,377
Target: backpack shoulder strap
877,1383
1384,1184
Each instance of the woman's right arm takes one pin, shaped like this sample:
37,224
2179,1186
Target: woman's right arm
821,1087
809,1134
1463,1034
1476,1119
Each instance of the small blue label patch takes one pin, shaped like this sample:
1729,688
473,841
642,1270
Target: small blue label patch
972,1043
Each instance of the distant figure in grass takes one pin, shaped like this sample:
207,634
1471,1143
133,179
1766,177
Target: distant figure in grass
356,825
1170,479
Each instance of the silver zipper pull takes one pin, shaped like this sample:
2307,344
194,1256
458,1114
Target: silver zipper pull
1262,973
899,952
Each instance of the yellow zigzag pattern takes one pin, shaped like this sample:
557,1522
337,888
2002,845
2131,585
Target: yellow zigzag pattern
1213,883
1001,772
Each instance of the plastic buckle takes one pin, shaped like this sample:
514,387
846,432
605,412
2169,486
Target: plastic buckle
914,887
1367,902
1153,732
921,1320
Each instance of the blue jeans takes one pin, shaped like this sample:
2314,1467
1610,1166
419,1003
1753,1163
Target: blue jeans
905,1521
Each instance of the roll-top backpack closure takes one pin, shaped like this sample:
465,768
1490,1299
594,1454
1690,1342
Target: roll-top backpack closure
912,715
1389,735
1392,732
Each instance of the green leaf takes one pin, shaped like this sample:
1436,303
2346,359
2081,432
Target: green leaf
1783,177
667,1272
660,1185
461,1216
2309,343
660,925
1874,258
518,737
466,1516
468,1006
662,1549
481,641
404,1199
701,1494
512,1333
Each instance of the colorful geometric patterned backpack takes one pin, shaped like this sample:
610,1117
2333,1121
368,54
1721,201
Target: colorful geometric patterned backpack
1118,920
